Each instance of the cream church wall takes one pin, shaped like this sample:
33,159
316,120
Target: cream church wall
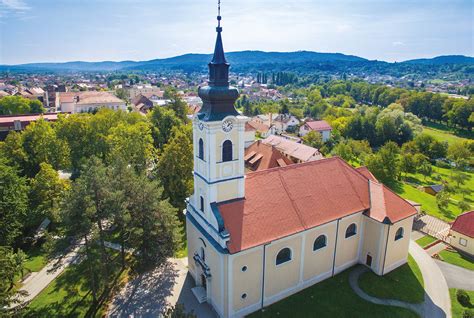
217,262
347,249
319,262
397,251
373,243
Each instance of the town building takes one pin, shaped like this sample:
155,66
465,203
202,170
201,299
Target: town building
19,122
260,156
146,90
295,151
286,122
259,237
320,126
462,233
88,101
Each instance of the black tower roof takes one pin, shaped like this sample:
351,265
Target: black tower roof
218,97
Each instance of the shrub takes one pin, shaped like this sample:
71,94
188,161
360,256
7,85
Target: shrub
463,297
468,313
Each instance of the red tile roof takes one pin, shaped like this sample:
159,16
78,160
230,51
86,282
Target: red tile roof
464,224
287,200
8,120
319,125
259,126
366,173
292,148
269,157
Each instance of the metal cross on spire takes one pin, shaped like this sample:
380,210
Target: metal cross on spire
219,16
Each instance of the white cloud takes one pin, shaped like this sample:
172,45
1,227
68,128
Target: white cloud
398,43
15,7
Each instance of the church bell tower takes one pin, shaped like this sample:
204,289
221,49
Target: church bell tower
218,137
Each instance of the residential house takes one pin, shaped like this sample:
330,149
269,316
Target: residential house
285,122
261,129
295,151
462,233
320,126
260,156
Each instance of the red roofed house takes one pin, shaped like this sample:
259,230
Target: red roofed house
256,238
320,126
79,102
462,233
19,122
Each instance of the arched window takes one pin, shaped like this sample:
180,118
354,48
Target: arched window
201,149
399,234
351,230
283,256
320,242
203,254
227,151
201,206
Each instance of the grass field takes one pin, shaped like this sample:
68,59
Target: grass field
425,240
453,257
332,297
443,133
405,283
457,309
68,295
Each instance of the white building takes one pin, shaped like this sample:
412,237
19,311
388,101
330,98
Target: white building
80,102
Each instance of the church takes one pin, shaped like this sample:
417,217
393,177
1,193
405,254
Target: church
255,238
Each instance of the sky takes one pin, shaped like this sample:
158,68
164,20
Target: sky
98,30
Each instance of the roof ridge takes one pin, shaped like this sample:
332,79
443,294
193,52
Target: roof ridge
341,162
294,166
293,204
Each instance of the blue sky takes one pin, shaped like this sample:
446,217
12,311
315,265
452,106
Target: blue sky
96,30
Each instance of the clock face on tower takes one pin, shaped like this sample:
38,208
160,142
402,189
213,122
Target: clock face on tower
227,126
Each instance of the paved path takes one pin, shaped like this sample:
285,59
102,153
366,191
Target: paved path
435,249
149,294
457,277
34,284
437,302
353,281
416,235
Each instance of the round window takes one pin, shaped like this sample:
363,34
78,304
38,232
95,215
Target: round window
244,295
244,268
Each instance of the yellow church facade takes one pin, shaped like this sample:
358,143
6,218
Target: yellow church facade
256,238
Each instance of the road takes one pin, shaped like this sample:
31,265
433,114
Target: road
457,277
437,302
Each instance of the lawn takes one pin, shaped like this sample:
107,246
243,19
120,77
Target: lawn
442,133
456,308
68,295
425,240
405,283
332,297
427,201
455,258
36,259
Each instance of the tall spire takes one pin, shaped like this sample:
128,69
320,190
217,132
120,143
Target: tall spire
219,57
218,97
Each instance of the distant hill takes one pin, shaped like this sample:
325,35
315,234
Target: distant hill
304,62
444,59
189,60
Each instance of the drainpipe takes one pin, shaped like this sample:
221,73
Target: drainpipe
385,253
263,276
335,248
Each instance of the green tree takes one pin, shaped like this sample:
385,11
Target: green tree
177,104
41,144
464,205
407,164
11,264
313,139
175,165
46,193
459,153
442,199
384,164
13,203
132,143
163,121
15,105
